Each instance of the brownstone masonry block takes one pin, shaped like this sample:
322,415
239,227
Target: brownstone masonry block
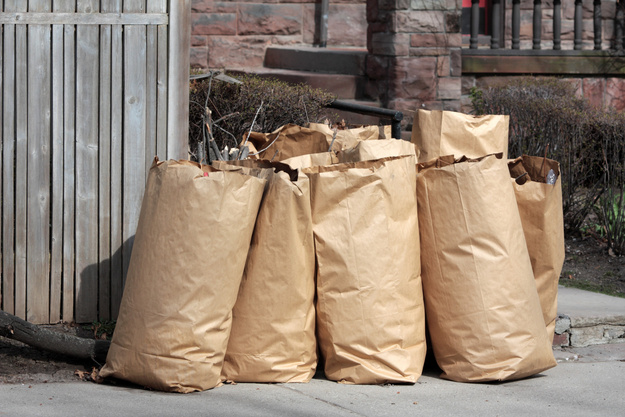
442,66
452,105
436,4
449,88
576,84
593,90
235,52
408,108
455,63
466,105
377,67
198,57
214,24
432,40
270,19
419,22
416,52
468,82
393,4
199,41
413,79
452,22
432,105
211,6
615,93
347,25
392,44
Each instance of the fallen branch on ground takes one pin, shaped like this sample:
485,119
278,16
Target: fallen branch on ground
13,327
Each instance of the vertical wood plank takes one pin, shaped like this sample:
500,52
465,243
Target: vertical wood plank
1,139
69,164
58,111
117,270
21,157
161,118
151,95
178,85
104,198
135,62
8,173
160,6
38,176
87,92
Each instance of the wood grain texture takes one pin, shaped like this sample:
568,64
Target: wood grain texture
87,127
21,167
86,103
69,166
8,170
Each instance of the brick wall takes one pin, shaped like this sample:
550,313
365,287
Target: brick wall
232,34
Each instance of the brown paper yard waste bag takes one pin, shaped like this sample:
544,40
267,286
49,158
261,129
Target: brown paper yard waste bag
540,207
370,315
377,149
347,138
273,325
440,133
188,258
482,308
311,160
288,141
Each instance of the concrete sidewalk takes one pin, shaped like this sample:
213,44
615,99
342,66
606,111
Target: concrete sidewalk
588,318
588,381
570,389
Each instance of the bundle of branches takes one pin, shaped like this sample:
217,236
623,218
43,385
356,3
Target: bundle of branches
222,113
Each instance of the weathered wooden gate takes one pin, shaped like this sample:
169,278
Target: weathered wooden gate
91,91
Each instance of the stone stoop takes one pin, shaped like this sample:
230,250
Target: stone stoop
586,331
340,71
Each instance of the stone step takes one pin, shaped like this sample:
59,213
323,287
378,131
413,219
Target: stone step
348,61
344,86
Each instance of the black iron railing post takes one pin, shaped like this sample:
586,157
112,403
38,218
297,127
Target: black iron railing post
596,19
537,24
475,23
516,24
495,24
619,29
577,26
557,25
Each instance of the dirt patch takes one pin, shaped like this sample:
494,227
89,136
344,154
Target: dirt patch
587,265
23,364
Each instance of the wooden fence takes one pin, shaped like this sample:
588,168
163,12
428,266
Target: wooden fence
90,92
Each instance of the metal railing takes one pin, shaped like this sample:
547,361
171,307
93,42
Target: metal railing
537,20
395,116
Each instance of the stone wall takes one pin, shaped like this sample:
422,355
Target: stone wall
415,54
235,34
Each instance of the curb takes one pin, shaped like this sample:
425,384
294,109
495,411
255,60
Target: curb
575,331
